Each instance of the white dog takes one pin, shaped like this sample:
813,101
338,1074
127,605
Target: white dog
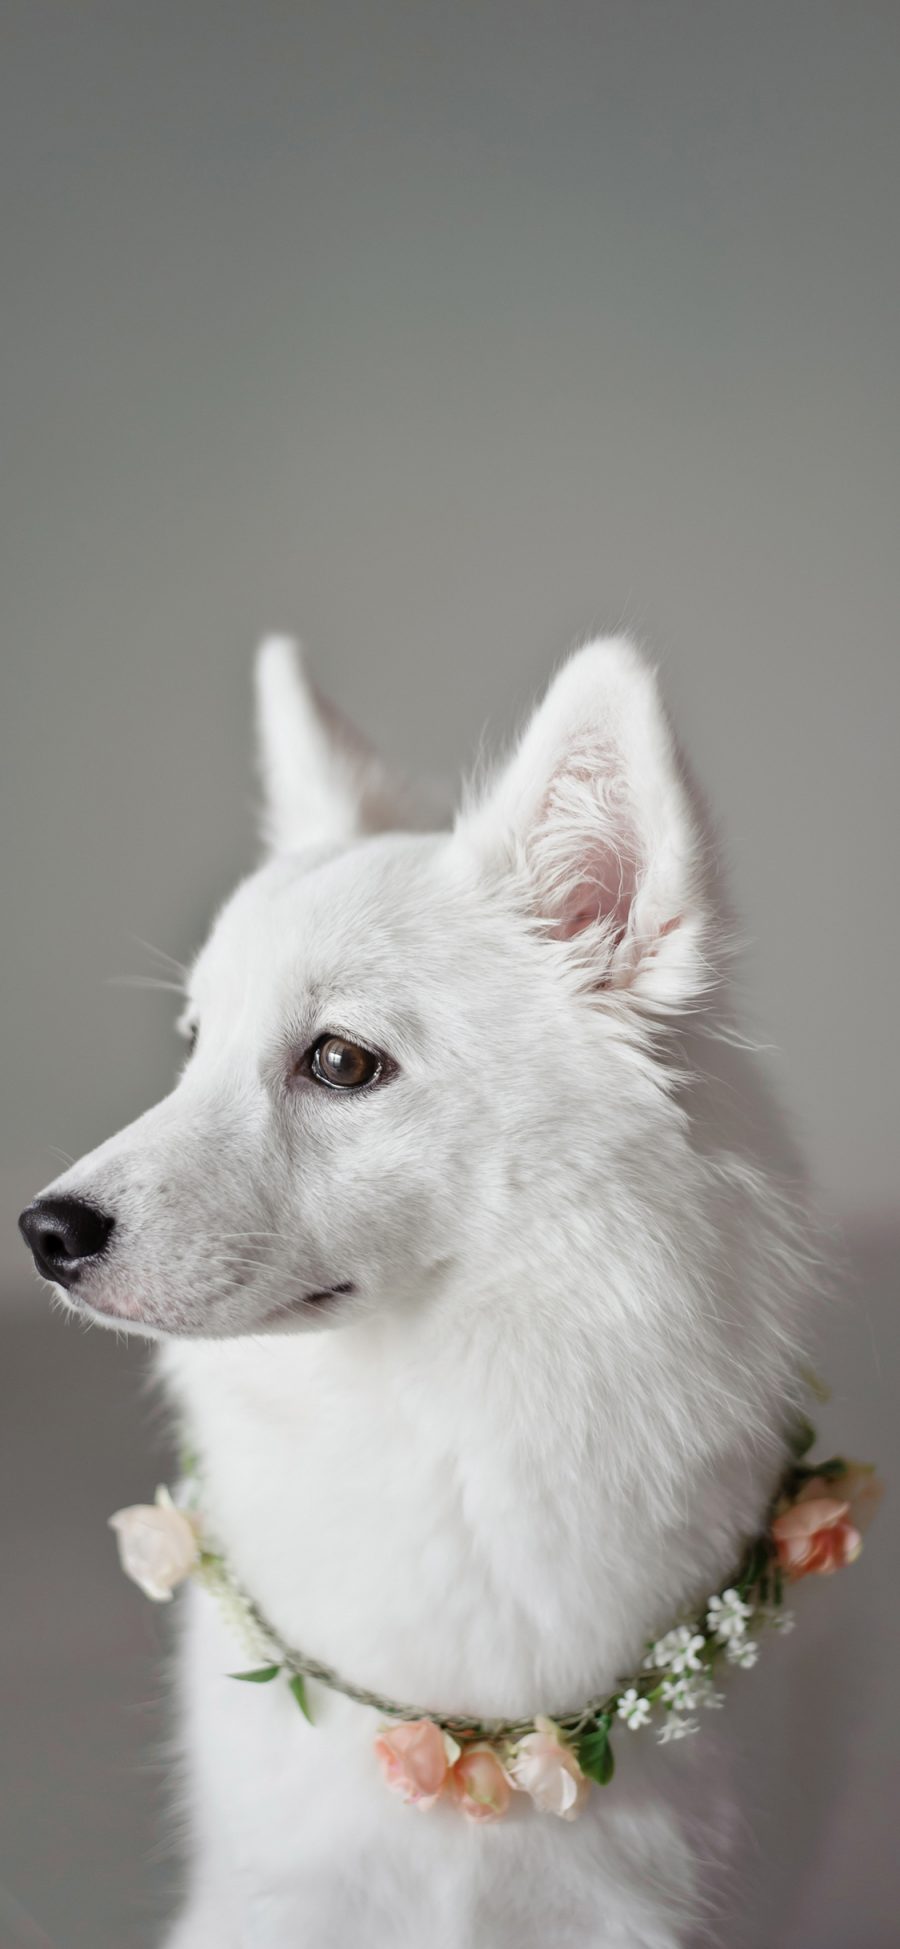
479,1296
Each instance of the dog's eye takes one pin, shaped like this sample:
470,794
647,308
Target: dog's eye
343,1065
190,1035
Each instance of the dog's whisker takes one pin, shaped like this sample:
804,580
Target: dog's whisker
233,1263
262,1233
168,960
145,981
239,1251
268,1280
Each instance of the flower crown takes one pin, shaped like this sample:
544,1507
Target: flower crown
814,1528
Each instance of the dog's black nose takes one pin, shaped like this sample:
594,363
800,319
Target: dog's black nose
64,1234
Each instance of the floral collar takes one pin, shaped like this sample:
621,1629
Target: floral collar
814,1527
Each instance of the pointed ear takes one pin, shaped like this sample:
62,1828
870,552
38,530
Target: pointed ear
592,818
321,781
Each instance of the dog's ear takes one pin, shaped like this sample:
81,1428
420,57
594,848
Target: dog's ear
321,781
592,819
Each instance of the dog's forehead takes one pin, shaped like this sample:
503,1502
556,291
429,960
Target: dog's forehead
331,918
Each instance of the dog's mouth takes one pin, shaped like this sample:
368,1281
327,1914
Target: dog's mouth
304,1303
132,1315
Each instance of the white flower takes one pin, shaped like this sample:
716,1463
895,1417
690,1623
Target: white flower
686,1659
682,1693
705,1694
777,1616
633,1709
662,1652
727,1616
676,1728
743,1652
676,1652
157,1545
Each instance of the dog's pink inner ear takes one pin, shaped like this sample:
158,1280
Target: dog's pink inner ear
604,892
584,850
591,816
590,901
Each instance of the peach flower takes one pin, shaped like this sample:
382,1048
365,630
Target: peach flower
415,1756
157,1545
545,1768
815,1536
480,1784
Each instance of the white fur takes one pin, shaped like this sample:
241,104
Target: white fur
555,1403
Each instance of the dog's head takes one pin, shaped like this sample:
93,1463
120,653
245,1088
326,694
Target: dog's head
417,1064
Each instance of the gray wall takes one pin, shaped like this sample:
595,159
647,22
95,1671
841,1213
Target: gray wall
445,334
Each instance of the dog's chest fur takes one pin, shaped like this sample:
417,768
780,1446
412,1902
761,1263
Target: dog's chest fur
440,1541
455,1516
410,1547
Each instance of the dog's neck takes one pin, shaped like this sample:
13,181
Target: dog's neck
489,1505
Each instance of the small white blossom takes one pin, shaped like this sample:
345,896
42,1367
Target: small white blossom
727,1616
686,1658
676,1652
682,1693
743,1652
676,1728
777,1616
705,1694
661,1654
686,1693
633,1709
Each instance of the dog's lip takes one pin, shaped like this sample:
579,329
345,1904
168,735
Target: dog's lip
287,1308
131,1314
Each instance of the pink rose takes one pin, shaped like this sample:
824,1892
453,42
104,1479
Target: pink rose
815,1536
157,1545
480,1784
548,1770
415,1757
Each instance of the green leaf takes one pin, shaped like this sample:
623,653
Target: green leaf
755,1564
298,1687
595,1755
262,1676
802,1437
607,1768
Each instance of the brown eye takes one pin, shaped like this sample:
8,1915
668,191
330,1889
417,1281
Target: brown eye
343,1065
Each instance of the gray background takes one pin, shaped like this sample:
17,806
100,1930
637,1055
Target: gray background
443,334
